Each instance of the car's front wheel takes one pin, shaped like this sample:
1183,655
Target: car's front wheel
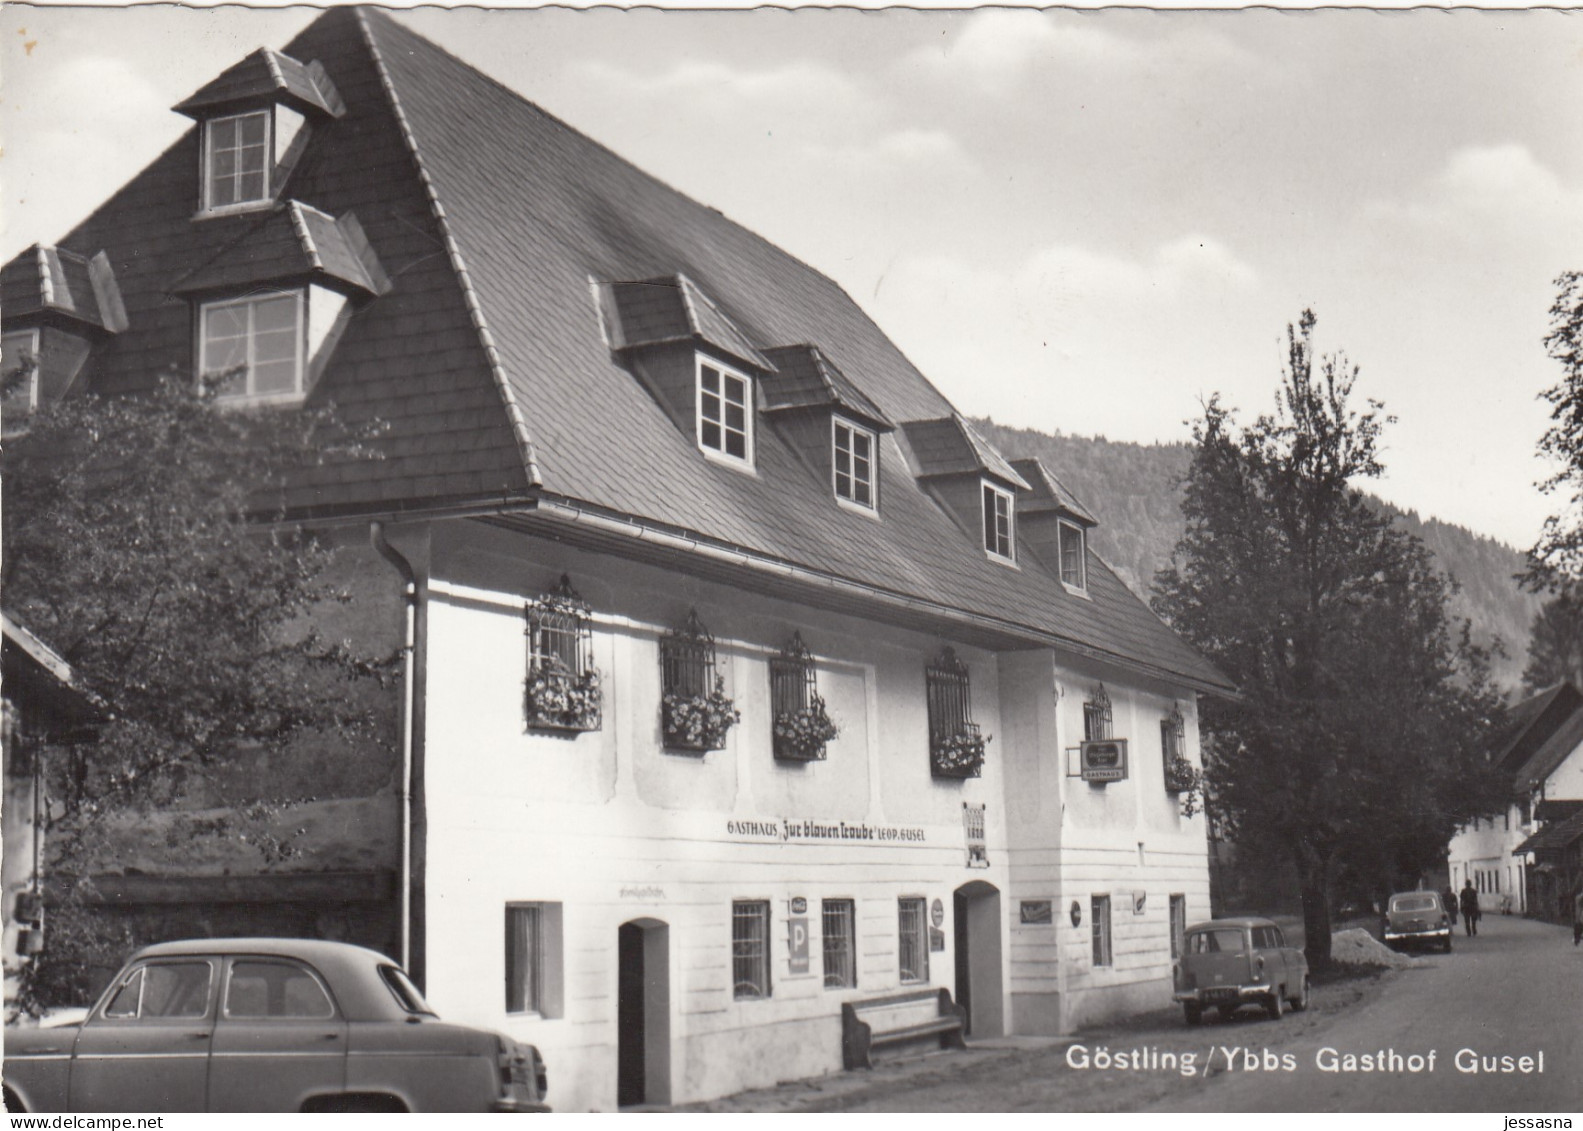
1275,1004
1300,1002
1193,1013
1446,946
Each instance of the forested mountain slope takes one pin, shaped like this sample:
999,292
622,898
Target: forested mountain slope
1135,492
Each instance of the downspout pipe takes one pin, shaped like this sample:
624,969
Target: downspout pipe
414,811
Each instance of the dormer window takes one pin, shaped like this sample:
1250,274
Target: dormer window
854,465
237,156
18,377
259,341
725,412
1074,563
998,523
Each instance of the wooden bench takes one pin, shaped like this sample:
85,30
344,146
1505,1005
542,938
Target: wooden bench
899,1018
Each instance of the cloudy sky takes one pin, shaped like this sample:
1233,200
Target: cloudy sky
1084,221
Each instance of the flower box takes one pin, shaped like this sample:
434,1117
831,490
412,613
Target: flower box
960,754
801,736
557,699
698,722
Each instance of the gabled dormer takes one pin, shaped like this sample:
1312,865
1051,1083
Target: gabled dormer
972,480
55,304
1055,525
254,122
269,306
829,421
693,357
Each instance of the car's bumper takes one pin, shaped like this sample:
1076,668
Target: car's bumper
519,1105
1430,934
1224,995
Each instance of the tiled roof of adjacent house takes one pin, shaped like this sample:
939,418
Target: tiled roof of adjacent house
1531,735
500,229
1554,836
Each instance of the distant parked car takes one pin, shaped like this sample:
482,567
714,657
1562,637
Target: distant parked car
231,1025
1229,963
1416,918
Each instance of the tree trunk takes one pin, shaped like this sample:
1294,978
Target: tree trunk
1313,876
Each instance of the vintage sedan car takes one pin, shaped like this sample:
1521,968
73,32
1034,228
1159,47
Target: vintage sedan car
1229,963
1416,918
231,1025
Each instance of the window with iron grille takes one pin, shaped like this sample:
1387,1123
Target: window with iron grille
1178,925
802,727
750,954
839,921
956,744
1096,715
695,712
912,941
1100,917
562,690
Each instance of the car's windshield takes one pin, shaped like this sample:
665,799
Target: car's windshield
1222,940
1415,903
405,992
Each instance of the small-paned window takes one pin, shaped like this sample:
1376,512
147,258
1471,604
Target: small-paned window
998,523
274,990
1074,564
725,412
1178,926
254,346
912,941
750,950
1096,716
524,957
854,465
1100,917
18,377
839,921
237,159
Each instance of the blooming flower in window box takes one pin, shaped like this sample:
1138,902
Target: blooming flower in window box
1185,781
802,735
698,722
959,754
556,698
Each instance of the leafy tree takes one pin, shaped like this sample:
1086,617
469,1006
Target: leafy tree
1355,747
1555,647
143,543
1558,555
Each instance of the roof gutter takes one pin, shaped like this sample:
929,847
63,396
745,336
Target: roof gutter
567,511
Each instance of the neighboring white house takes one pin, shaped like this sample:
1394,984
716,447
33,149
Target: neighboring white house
746,678
1543,761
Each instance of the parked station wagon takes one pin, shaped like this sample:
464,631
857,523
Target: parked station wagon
1416,918
231,1025
1229,963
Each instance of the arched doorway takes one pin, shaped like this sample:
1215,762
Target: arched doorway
643,1013
976,920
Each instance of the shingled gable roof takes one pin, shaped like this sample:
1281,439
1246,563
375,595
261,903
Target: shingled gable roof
51,280
806,378
657,311
1049,493
294,241
501,392
1532,725
264,76
1559,835
952,446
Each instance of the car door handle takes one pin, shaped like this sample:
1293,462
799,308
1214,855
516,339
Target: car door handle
332,1036
197,1036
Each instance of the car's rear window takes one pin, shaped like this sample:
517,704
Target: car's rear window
1415,903
405,992
1222,940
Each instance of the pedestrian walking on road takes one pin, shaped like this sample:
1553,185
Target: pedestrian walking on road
1448,900
1470,908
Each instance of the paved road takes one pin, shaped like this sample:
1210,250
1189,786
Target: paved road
1515,990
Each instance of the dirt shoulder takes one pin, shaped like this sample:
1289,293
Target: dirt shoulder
1038,1074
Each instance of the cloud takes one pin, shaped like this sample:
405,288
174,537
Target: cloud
1492,193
